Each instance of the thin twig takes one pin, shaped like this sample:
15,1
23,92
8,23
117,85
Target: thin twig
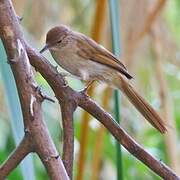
23,149
67,109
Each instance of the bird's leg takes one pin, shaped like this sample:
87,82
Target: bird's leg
88,85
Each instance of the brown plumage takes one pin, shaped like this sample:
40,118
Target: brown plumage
143,106
99,54
87,60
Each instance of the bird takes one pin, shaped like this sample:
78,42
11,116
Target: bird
87,60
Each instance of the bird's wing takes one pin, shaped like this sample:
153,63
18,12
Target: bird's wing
89,49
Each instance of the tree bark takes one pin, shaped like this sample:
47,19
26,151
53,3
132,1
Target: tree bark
30,97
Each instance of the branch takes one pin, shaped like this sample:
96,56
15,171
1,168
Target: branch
30,98
129,144
56,81
67,109
23,149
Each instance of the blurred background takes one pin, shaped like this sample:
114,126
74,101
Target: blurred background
149,38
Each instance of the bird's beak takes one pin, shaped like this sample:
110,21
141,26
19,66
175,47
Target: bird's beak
44,48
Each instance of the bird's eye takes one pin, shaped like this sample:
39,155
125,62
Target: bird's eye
59,41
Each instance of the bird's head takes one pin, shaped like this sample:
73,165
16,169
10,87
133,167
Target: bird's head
54,37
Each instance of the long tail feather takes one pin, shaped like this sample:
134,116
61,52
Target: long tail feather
142,106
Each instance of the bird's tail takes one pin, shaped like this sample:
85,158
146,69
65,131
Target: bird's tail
142,106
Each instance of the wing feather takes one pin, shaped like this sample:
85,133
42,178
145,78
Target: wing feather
89,49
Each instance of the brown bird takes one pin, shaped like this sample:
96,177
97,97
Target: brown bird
84,58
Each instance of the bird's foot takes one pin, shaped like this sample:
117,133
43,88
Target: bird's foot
89,84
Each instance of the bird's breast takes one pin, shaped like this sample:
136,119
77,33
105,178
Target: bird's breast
80,67
69,60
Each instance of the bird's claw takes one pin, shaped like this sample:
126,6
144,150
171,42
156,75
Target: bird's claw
89,84
85,90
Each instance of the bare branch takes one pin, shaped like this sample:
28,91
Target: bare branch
16,157
134,148
62,92
67,109
45,148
